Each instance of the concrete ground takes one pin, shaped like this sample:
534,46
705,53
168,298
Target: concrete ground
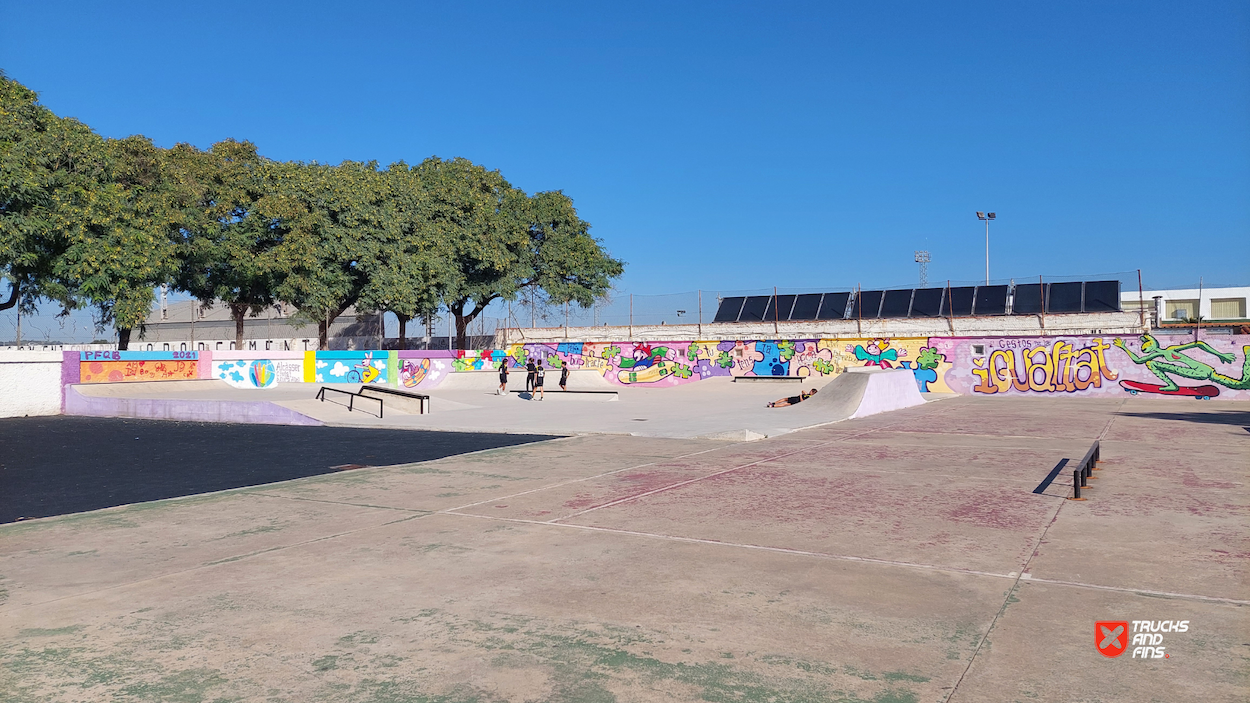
901,557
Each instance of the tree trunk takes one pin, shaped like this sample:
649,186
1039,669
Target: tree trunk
123,339
463,320
13,294
323,336
462,324
237,312
403,330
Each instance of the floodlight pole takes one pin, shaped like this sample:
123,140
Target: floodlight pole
987,216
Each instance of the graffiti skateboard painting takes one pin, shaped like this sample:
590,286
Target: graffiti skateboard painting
1199,392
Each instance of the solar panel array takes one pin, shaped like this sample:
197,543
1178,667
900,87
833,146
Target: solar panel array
963,301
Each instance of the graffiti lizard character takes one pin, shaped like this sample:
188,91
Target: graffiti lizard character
1171,360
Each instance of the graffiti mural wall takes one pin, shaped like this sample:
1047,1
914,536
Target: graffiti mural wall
127,367
1212,366
663,364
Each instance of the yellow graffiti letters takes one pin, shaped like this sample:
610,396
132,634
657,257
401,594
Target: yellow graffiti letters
1044,370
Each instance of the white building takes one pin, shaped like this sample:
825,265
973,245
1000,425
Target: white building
185,326
1176,306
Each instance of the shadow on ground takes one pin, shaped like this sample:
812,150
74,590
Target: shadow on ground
58,465
1224,417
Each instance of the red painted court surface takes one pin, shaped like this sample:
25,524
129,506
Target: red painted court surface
903,557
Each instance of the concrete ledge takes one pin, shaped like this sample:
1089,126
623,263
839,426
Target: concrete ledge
260,413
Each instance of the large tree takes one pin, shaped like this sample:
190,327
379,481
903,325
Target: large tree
50,168
236,247
499,242
122,240
346,208
404,266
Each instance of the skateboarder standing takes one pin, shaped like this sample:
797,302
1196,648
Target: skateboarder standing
564,377
503,377
529,375
538,380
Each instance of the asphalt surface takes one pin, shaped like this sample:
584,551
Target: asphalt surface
58,465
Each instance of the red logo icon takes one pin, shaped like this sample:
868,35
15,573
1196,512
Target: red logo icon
1111,637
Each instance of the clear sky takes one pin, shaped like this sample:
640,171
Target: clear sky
728,145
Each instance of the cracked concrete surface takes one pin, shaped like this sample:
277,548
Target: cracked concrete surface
898,558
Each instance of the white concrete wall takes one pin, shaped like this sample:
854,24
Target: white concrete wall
30,383
999,326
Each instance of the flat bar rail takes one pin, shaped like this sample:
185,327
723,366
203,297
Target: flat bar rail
1085,470
351,399
421,398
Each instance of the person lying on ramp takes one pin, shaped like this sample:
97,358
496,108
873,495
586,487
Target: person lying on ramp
793,400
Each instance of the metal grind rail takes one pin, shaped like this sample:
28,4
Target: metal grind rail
1084,471
1080,475
351,399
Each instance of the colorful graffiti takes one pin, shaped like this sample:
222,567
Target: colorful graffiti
351,367
128,366
128,371
1104,365
1166,362
258,373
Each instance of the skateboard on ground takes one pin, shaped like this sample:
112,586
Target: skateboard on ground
1198,392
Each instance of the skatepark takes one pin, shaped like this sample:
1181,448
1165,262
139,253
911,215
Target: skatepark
622,542
902,556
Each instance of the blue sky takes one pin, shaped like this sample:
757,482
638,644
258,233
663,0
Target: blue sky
728,145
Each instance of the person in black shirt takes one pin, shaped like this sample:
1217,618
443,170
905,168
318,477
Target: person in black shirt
538,380
564,376
529,375
503,377
792,400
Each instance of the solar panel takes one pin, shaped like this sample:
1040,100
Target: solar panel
753,309
959,301
1102,296
833,306
897,303
867,304
927,302
806,306
1027,300
991,300
1064,297
784,302
729,309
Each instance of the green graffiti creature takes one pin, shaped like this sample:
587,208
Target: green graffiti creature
724,360
785,350
1170,360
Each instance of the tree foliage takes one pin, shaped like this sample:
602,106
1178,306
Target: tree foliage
87,221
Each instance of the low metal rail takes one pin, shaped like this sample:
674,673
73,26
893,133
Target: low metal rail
1084,471
351,399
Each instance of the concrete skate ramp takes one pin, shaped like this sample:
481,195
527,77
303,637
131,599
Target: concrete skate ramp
863,392
140,388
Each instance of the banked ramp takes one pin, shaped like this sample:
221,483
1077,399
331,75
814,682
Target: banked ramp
860,392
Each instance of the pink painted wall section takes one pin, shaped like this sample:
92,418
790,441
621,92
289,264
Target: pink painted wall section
70,373
1214,366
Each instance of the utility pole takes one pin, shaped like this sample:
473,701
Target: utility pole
922,258
987,217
